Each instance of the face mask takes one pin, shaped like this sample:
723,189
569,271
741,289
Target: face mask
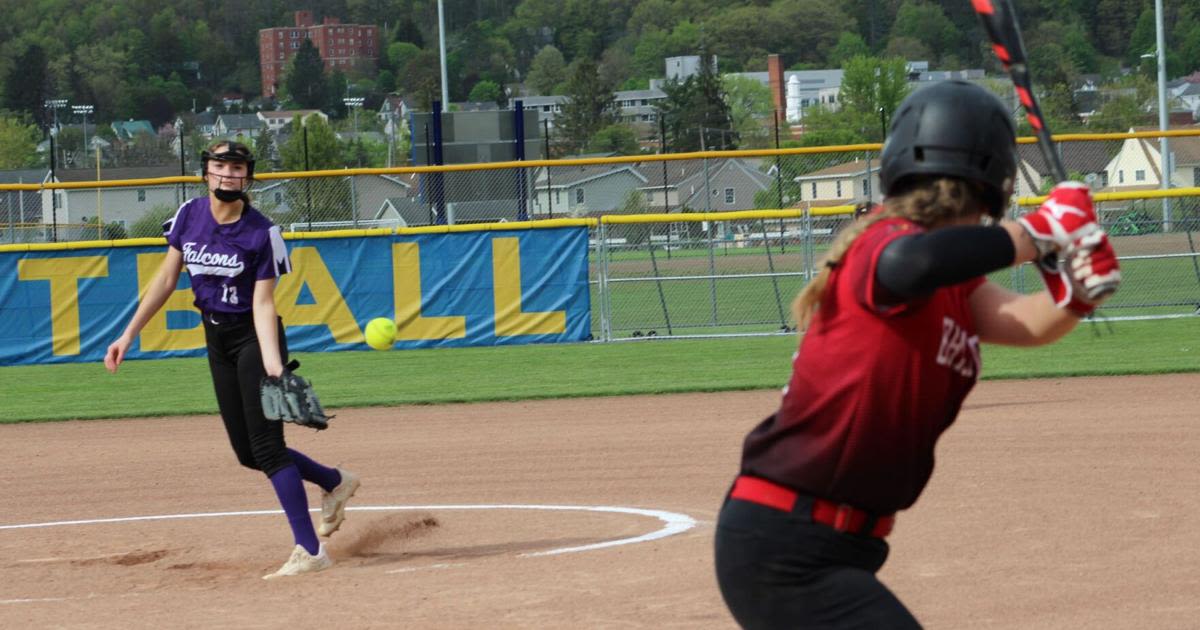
227,195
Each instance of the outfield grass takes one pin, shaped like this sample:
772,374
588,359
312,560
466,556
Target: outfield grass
344,379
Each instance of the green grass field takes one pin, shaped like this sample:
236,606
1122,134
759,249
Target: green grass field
1149,287
344,379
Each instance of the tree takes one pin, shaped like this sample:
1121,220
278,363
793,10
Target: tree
486,92
421,78
305,81
849,45
26,87
324,151
696,113
18,143
927,23
617,139
315,199
547,70
868,85
751,110
590,105
400,53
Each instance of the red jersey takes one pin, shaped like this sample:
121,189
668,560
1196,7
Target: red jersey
872,387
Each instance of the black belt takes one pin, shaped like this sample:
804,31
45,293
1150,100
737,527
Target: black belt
218,318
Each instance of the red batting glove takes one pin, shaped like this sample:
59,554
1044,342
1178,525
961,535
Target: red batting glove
1063,219
1093,276
1094,267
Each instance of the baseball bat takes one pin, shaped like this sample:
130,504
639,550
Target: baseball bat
999,19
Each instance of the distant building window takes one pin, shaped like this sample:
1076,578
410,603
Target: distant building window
278,197
295,45
814,190
141,195
578,195
1196,176
839,189
1103,179
728,195
557,198
1120,177
650,194
1139,176
866,187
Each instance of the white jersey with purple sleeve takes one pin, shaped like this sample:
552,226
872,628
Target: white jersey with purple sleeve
224,261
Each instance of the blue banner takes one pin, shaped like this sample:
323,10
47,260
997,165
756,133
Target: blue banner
450,289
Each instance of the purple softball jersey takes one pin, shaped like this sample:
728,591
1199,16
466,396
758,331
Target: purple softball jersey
224,261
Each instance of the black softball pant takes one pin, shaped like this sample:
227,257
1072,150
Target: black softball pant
235,361
781,570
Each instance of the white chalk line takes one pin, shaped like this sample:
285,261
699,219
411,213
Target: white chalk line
673,522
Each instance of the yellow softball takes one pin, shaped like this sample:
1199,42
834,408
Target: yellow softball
381,333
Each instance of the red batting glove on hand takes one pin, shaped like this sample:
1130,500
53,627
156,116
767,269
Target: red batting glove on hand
1065,217
1094,267
1094,275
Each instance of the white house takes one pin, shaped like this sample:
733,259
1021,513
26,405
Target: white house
1138,164
276,120
839,185
233,125
121,205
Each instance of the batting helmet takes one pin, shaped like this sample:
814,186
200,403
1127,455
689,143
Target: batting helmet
956,129
233,152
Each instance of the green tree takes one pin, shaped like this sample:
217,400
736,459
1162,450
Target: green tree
751,110
869,84
849,45
18,143
26,86
306,84
150,225
618,139
421,78
547,70
696,114
315,199
486,92
112,231
590,105
400,53
386,81
927,23
324,152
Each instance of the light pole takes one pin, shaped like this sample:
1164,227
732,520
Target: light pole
83,111
56,104
354,103
442,53
1163,109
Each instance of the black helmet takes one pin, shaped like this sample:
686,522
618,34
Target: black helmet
233,152
953,128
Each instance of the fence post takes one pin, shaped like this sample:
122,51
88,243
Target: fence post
307,180
546,140
778,190
662,298
53,196
353,202
603,286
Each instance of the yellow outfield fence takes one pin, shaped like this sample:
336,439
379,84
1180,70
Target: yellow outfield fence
702,243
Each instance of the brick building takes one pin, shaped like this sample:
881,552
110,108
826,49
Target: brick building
342,46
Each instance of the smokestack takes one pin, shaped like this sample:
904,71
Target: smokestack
775,76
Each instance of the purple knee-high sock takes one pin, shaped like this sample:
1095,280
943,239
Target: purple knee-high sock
290,490
310,471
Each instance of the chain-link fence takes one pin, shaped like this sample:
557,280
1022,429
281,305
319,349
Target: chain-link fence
668,259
